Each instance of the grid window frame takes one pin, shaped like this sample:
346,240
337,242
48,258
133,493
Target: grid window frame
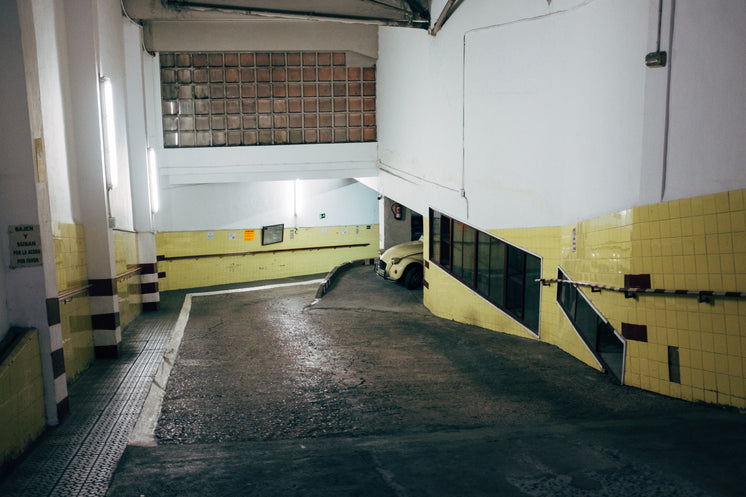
214,84
519,298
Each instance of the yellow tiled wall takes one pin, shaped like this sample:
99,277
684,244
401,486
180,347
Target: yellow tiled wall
691,244
70,256
75,314
208,271
21,397
450,299
128,288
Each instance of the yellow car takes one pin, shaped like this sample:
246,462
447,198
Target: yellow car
402,263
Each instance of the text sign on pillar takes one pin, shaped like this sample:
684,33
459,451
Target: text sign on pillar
25,245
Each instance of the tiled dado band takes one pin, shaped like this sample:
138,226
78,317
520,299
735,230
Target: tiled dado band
151,297
266,98
57,359
107,332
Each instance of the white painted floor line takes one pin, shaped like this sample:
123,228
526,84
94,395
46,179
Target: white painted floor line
255,288
144,432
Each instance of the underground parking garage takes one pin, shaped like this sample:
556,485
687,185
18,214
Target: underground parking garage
165,147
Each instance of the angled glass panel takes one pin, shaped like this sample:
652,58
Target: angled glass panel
594,330
532,292
469,248
515,281
567,297
483,264
497,272
445,242
458,249
435,236
586,322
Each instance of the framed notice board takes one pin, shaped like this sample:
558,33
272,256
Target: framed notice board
272,234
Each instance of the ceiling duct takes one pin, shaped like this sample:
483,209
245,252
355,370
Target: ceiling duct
403,13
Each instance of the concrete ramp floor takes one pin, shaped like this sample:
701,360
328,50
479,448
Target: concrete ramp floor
365,393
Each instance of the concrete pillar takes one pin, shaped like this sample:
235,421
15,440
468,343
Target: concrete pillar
91,174
30,286
138,143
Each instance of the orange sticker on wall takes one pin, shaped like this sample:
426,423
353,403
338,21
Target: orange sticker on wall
248,235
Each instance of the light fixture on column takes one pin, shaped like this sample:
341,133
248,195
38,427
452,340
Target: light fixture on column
297,198
110,135
155,200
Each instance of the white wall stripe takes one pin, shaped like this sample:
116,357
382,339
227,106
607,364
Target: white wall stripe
60,388
104,304
151,297
102,338
55,337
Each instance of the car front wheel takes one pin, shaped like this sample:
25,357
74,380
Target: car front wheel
413,277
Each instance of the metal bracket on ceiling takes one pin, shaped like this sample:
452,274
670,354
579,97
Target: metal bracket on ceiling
445,14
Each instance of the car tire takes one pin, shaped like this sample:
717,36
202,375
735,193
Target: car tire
413,277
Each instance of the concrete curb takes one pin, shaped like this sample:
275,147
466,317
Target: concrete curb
334,274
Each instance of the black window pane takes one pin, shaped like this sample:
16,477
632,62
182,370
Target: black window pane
567,296
607,342
483,264
501,272
514,283
586,322
597,333
497,272
469,246
445,242
434,236
458,249
533,292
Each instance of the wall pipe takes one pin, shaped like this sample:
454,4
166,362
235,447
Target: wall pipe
667,121
300,15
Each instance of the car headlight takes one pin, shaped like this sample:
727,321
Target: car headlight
395,260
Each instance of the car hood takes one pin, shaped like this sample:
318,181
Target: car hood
403,250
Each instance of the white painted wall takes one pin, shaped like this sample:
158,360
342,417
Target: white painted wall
707,141
137,143
84,125
554,118
183,166
546,114
256,204
261,35
50,38
111,63
17,195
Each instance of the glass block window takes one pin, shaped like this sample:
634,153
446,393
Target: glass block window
215,99
503,274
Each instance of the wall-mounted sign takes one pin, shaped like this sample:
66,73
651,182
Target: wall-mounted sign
210,235
25,245
248,235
